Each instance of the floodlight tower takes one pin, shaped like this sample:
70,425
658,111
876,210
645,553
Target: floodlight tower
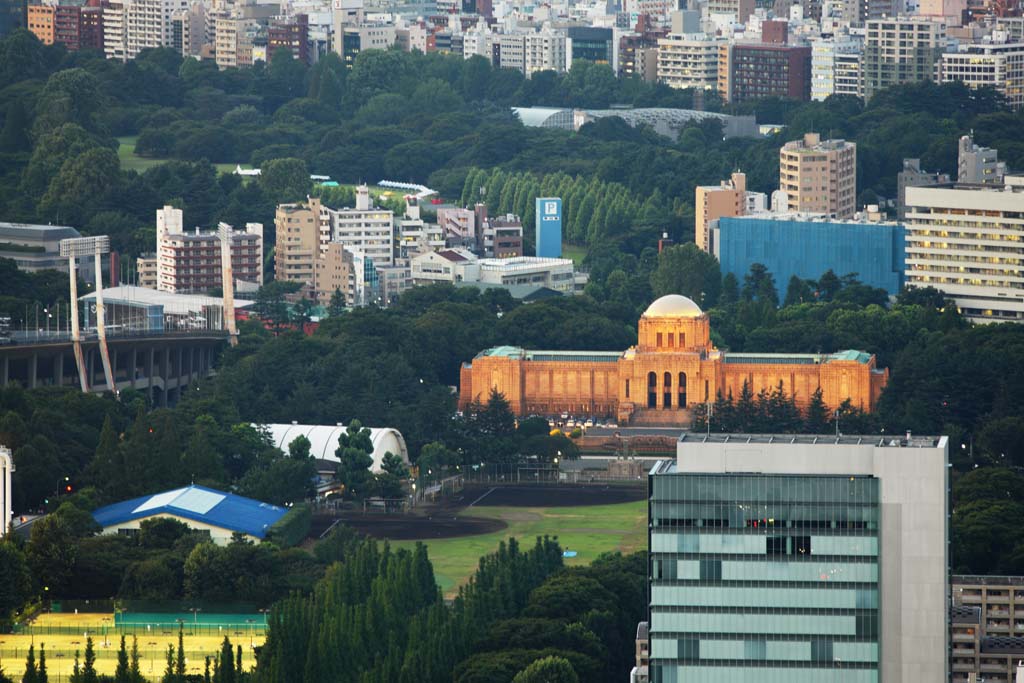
83,247
227,279
6,468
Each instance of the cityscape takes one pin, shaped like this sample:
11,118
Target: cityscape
483,341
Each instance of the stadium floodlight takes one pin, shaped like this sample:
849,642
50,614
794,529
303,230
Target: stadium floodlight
78,247
82,247
227,282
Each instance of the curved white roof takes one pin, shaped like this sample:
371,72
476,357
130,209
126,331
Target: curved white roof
324,440
673,306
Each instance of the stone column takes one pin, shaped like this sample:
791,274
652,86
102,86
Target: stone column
149,373
166,374
135,365
33,366
58,369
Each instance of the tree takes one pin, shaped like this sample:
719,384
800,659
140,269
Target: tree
337,305
688,270
354,461
201,461
14,136
134,673
121,672
179,662
548,670
394,465
70,96
31,672
89,674
41,676
1002,439
285,180
816,419
829,285
226,663
798,291
299,448
16,587
759,285
51,552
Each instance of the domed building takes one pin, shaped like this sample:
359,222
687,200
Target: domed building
673,367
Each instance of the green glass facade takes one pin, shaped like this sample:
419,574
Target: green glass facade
760,577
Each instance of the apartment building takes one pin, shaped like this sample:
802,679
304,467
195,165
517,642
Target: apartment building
983,65
799,559
41,22
190,262
825,71
114,29
689,61
544,51
739,10
415,236
858,12
366,228
978,165
458,226
716,201
502,236
188,30
987,628
292,34
901,50
234,40
146,271
848,77
299,241
511,51
756,71
965,240
130,26
819,176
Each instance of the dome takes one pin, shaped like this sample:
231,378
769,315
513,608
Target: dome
673,306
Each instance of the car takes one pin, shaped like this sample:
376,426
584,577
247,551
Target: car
565,416
588,424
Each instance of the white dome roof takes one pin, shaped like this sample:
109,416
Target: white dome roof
324,440
673,306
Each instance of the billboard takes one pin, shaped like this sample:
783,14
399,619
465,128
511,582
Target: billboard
549,227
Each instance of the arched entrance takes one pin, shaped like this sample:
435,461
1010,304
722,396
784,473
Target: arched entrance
652,390
667,389
682,390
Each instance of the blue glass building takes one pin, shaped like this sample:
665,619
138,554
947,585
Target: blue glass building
808,248
549,227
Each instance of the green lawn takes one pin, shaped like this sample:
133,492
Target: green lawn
589,530
575,252
130,161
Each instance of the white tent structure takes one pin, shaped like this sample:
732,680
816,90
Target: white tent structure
324,440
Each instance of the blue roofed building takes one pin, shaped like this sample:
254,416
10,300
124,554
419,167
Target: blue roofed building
215,512
808,245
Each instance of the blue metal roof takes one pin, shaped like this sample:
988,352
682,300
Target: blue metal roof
198,503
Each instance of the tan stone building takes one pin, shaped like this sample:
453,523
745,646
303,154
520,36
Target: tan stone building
717,201
673,367
819,176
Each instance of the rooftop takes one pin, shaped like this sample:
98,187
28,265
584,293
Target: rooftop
850,356
36,232
143,296
673,306
200,504
888,441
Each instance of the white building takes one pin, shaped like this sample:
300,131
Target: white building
689,61
447,265
512,51
961,239
191,261
130,26
460,265
978,165
324,440
366,228
800,558
414,236
997,66
544,51
824,53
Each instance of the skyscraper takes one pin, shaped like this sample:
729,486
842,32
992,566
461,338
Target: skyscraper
799,559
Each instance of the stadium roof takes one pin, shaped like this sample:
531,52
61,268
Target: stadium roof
36,232
172,303
324,440
200,504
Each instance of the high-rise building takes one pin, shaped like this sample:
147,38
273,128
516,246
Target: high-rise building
819,176
189,262
799,559
301,238
978,165
41,21
985,65
715,201
544,51
961,239
824,64
756,71
592,44
901,50
689,61
291,33
848,79
987,622
548,240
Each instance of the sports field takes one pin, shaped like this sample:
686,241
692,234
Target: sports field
63,634
587,529
130,161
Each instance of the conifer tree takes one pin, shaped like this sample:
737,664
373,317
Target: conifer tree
31,672
206,671
134,671
121,674
89,674
169,670
41,676
238,659
179,664
817,418
76,670
227,663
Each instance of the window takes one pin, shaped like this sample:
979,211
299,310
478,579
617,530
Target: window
710,570
689,648
658,340
627,388
821,650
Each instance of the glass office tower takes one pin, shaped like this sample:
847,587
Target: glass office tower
764,577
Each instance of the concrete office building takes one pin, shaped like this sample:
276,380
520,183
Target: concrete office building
592,44
901,50
978,165
738,10
984,65
809,245
962,240
34,247
819,176
190,262
756,71
689,61
799,559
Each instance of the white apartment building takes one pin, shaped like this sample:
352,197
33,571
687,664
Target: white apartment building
113,30
978,165
966,240
512,51
979,65
689,61
847,74
130,26
544,51
901,50
824,53
233,42
414,236
366,228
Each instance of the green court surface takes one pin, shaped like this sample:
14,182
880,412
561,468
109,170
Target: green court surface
186,619
589,530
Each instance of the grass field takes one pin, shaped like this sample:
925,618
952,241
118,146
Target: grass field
575,252
589,530
130,161
60,649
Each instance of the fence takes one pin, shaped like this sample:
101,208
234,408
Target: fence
158,628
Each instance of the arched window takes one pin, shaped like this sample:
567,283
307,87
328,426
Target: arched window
652,390
682,390
667,388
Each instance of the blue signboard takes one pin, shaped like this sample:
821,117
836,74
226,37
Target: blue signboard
549,227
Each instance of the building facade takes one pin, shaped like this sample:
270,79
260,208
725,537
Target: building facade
988,628
34,247
673,366
190,262
799,559
548,238
756,71
688,61
901,50
825,65
819,176
962,240
997,66
807,246
978,165
715,201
